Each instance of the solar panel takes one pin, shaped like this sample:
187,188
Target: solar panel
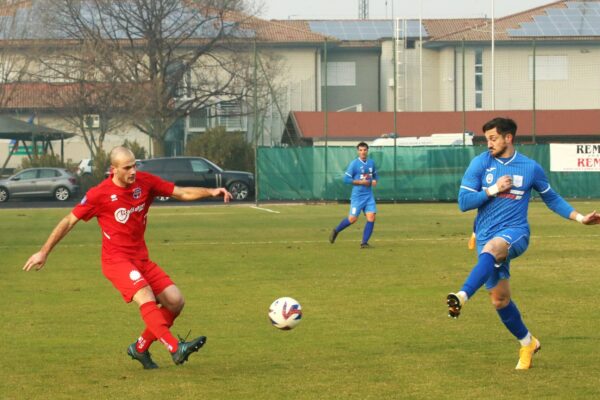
364,29
30,24
578,19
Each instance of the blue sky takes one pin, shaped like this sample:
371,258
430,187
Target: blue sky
348,9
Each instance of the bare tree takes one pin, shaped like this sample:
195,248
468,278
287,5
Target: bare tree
175,56
92,104
14,61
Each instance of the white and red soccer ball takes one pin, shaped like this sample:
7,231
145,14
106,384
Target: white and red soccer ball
285,313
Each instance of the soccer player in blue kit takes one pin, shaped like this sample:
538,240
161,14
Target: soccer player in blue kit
498,184
362,174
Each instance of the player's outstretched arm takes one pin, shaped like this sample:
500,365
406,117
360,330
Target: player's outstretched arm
38,260
196,193
592,218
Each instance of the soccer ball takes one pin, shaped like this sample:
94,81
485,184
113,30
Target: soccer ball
285,313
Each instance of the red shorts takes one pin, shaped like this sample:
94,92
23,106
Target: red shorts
129,276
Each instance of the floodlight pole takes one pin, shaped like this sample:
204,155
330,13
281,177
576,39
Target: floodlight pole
395,50
533,133
464,113
493,59
325,108
255,122
421,52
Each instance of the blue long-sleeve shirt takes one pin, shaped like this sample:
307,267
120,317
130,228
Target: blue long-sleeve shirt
507,209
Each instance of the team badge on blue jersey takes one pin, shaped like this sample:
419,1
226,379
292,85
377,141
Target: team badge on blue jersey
489,178
518,180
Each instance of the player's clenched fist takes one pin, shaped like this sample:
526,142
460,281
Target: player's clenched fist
504,183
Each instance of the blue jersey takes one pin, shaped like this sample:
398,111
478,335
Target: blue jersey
359,170
507,209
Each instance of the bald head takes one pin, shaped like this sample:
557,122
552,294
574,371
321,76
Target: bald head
120,154
122,161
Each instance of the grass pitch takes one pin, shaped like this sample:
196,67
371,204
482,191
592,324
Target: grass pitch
374,325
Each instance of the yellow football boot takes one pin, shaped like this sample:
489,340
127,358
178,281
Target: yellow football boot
472,241
526,354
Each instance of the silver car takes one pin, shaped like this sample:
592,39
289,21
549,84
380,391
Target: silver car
40,182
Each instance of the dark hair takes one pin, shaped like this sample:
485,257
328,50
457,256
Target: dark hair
362,144
503,126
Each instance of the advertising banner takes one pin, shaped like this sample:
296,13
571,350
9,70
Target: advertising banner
573,157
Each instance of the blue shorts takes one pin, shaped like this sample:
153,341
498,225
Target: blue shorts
366,204
518,241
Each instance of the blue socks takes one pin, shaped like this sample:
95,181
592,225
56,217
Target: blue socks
479,274
511,318
343,225
368,231
510,315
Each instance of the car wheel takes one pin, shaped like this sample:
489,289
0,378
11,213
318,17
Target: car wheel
61,193
239,190
3,195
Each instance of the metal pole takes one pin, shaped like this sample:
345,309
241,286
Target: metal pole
493,59
34,147
421,51
395,50
533,133
255,123
326,121
405,61
464,112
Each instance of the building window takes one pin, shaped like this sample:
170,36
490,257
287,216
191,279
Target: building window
478,79
341,73
198,120
549,68
228,114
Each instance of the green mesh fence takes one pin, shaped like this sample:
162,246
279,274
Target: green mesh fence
405,173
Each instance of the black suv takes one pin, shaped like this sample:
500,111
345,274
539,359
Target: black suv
199,172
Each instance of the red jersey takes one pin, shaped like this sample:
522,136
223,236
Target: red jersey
122,212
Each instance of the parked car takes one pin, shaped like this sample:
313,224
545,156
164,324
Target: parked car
198,171
85,167
40,182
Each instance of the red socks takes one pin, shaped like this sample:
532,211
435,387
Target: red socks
147,337
158,321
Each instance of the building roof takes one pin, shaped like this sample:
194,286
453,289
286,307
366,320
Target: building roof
546,21
29,14
35,95
53,96
557,124
514,27
442,27
12,128
374,30
276,31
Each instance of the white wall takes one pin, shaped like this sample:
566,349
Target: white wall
75,148
513,88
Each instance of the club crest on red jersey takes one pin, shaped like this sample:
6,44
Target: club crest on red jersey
137,192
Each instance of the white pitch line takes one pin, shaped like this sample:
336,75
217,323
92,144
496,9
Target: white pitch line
283,242
265,209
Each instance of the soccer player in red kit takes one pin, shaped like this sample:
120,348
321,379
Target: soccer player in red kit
120,203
